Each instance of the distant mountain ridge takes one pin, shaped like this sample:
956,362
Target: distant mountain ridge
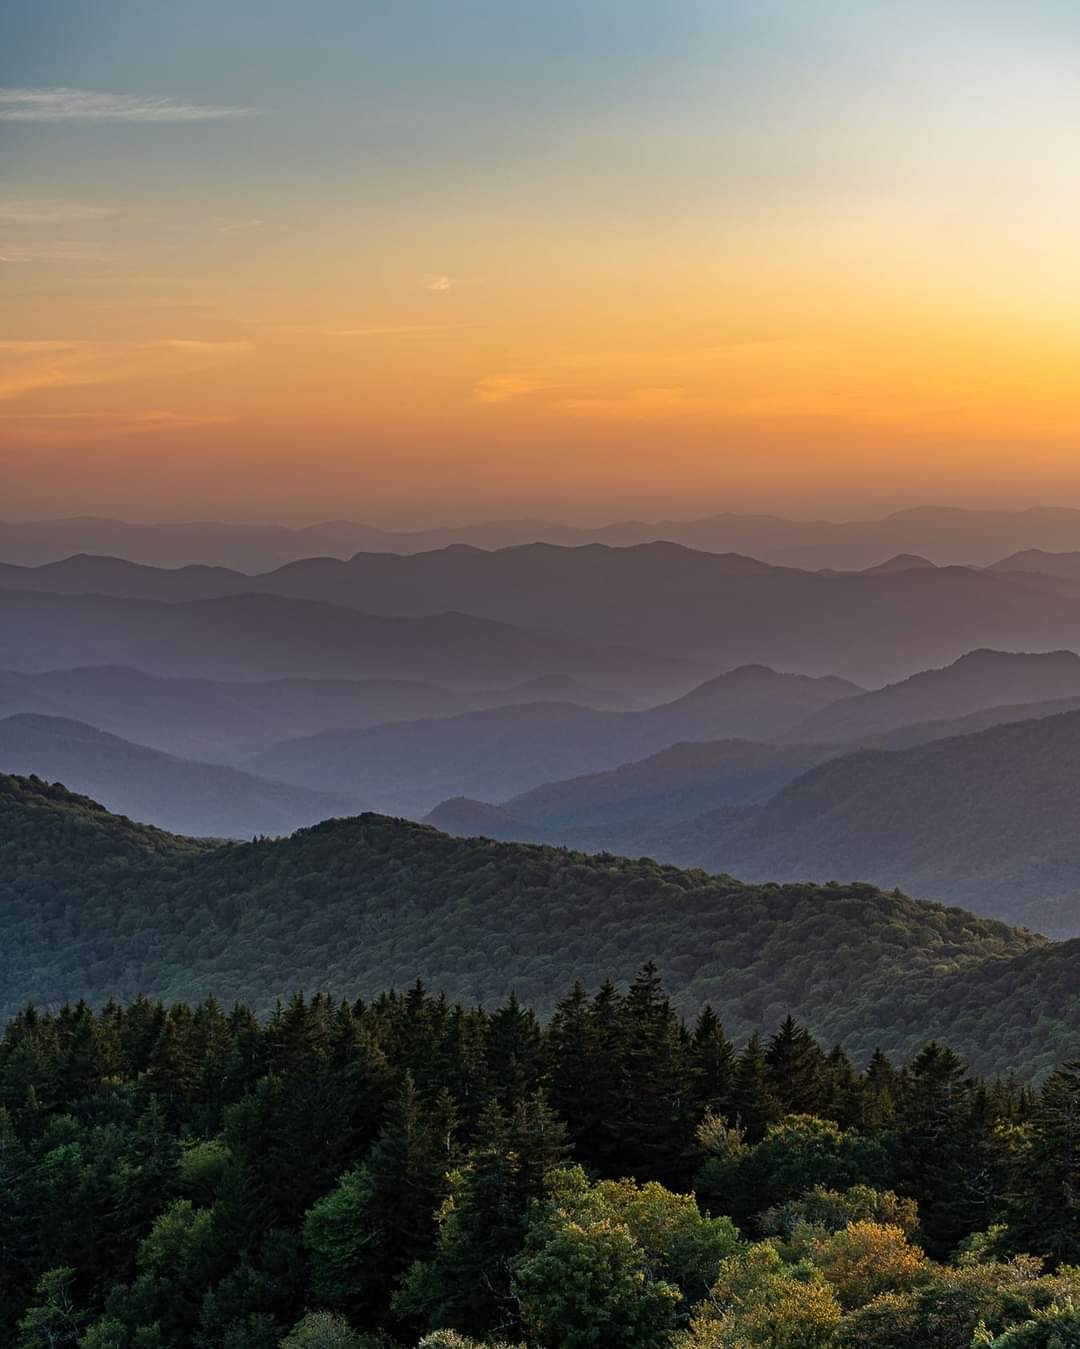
718,610
990,820
408,767
759,809
627,809
224,721
177,794
945,535
978,680
1039,560
97,907
262,637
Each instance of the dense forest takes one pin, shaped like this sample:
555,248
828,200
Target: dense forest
350,1175
93,906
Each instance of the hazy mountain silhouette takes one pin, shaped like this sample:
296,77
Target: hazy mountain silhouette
410,767
160,789
902,562
657,806
212,719
978,680
225,721
259,637
1065,565
720,610
990,820
550,688
626,809
945,535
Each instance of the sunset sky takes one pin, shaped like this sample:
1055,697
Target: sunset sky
411,262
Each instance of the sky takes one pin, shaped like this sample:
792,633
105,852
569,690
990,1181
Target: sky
415,262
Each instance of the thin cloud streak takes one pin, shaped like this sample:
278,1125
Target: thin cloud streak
86,105
49,428
30,366
402,330
50,212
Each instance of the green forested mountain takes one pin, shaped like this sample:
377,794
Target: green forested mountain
987,820
404,1171
95,907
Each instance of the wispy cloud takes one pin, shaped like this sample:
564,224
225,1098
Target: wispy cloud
69,427
643,404
436,281
86,105
50,212
237,226
51,251
27,367
381,330
625,385
504,388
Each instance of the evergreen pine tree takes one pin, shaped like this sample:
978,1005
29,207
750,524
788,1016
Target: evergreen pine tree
1046,1206
798,1073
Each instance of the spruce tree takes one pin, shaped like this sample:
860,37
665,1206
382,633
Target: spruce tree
1046,1205
798,1073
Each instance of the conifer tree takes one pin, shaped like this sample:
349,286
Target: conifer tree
755,1105
1046,1206
653,1130
798,1072
933,1122
710,1060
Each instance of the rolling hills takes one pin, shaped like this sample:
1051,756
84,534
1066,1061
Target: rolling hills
718,610
96,906
629,809
261,637
224,721
1066,565
161,789
634,805
408,768
989,820
946,535
978,681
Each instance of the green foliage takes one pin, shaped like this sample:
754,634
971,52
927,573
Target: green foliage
1046,1212
323,1330
53,1320
613,1263
450,1339
189,1178
823,1211
1055,1328
482,1223
951,1306
757,1300
798,1153
92,905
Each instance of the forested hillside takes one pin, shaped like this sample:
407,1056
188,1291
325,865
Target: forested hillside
364,1175
95,907
987,820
